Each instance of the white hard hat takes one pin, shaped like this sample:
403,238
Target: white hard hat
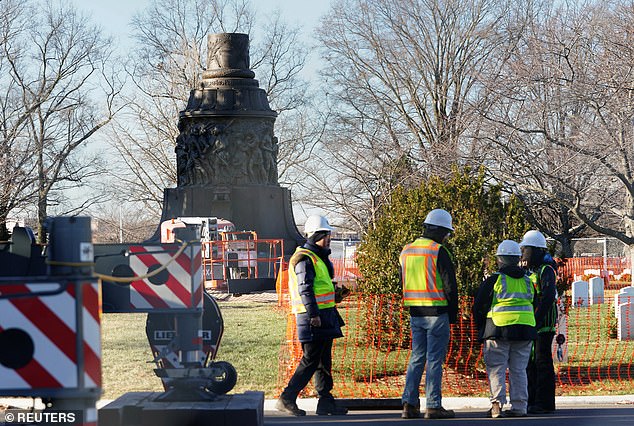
316,223
439,217
508,248
534,239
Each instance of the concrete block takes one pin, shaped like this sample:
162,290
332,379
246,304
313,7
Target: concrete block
142,409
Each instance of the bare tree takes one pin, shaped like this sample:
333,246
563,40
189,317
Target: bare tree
550,216
172,39
56,78
401,76
561,113
122,223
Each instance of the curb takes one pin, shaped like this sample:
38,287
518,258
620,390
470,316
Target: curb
454,403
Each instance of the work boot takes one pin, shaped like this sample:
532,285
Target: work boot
439,413
536,409
327,405
290,407
514,413
411,412
495,411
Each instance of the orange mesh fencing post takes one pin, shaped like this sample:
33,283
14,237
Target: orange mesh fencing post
281,286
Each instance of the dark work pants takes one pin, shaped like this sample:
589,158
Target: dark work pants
317,360
541,373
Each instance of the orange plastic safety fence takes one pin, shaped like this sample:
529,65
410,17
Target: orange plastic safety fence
345,269
281,286
371,359
593,357
618,268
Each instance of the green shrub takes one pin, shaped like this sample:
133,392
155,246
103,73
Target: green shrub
481,220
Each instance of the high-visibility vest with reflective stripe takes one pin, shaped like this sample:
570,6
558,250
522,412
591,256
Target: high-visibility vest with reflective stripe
422,285
322,286
512,301
535,278
551,317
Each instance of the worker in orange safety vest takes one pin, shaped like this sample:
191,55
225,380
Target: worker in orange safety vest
430,292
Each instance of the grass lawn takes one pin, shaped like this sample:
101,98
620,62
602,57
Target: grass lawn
125,353
251,343
596,363
254,333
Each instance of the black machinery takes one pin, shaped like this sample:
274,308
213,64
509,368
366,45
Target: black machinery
50,300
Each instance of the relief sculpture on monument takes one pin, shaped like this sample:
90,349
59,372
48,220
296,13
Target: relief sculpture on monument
226,152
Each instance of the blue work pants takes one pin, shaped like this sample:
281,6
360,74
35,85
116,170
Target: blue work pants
430,338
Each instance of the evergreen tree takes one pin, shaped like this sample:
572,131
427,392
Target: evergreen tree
482,218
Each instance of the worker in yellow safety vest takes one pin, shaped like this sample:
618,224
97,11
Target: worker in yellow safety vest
312,292
503,313
430,292
541,370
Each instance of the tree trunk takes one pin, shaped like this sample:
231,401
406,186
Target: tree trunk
566,247
631,247
41,219
4,232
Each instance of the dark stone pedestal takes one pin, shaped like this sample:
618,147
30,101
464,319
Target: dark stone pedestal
265,209
142,409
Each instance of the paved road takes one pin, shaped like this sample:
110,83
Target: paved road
608,415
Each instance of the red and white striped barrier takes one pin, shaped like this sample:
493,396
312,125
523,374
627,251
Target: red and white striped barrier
51,339
182,288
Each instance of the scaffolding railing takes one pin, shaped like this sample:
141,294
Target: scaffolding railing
241,255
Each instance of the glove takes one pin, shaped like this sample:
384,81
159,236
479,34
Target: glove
341,292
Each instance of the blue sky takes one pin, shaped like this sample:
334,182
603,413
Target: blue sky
114,15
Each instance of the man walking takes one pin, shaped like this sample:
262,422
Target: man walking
541,371
312,292
503,314
430,291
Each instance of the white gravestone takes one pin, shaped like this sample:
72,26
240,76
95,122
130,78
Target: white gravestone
596,291
580,296
625,319
625,295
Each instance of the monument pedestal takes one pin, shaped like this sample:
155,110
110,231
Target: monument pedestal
265,209
142,409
